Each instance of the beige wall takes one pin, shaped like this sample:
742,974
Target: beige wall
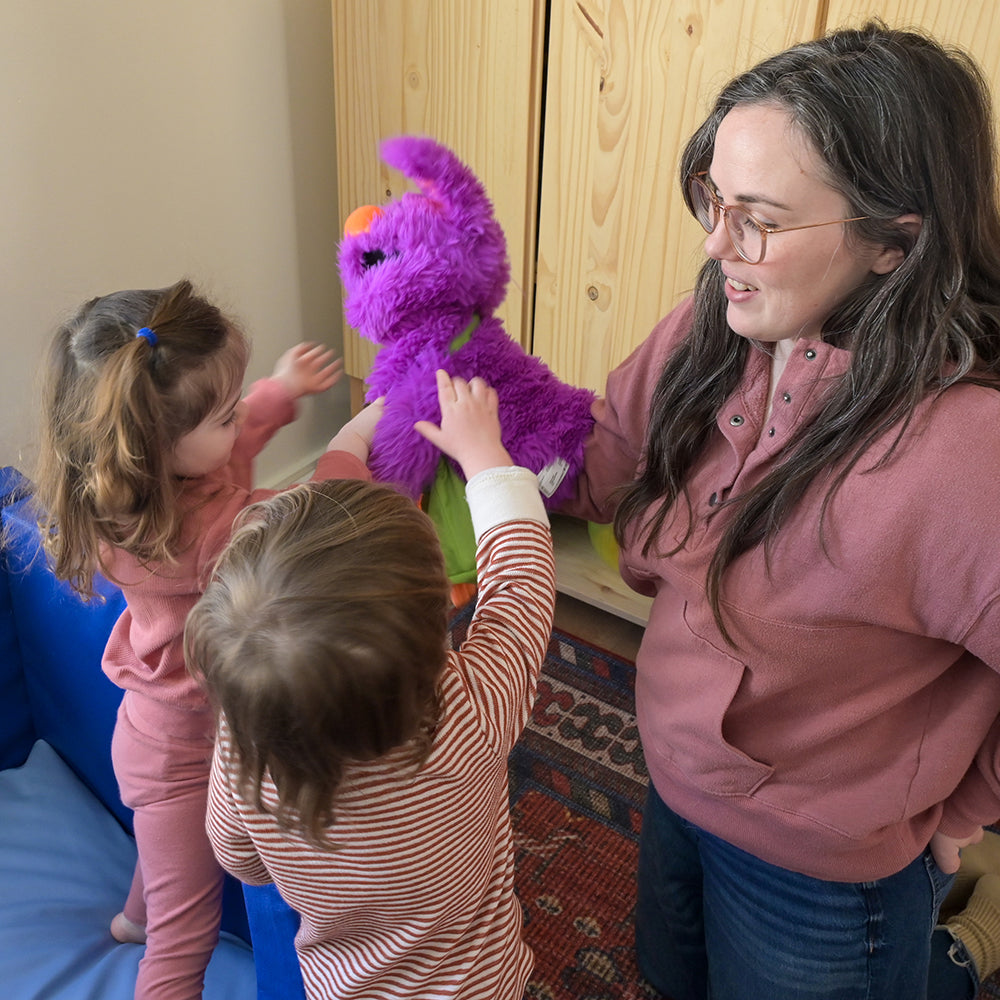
145,140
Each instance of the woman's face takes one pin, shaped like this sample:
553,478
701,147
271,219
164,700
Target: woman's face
763,163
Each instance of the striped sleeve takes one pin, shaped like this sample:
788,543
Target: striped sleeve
227,832
509,634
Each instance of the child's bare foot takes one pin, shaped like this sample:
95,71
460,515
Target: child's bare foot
124,930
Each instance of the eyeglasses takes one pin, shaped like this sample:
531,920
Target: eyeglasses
747,235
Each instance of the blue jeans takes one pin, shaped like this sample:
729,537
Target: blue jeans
715,922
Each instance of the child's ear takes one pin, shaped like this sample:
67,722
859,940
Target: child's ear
891,257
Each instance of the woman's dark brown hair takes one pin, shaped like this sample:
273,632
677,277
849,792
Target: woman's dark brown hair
903,125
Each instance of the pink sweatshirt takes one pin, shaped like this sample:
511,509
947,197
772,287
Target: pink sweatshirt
145,652
859,712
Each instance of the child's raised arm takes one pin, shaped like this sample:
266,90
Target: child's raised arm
307,369
470,428
355,437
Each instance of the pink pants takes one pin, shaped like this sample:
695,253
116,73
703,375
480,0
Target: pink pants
162,759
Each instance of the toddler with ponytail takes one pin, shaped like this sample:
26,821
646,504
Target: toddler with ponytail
145,461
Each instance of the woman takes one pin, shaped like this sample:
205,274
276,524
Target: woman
809,449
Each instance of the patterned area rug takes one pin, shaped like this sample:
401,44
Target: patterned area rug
578,782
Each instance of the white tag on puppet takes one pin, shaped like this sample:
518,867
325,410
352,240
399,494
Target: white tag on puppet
552,475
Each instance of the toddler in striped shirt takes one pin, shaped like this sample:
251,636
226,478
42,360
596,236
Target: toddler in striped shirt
360,765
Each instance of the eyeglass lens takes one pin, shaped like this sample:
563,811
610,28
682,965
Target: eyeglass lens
743,231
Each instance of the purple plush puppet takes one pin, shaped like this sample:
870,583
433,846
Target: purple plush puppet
423,276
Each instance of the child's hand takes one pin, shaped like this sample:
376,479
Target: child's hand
307,369
356,435
470,428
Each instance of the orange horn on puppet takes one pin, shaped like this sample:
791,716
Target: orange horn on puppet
360,219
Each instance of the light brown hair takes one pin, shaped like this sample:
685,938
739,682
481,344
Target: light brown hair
114,406
321,638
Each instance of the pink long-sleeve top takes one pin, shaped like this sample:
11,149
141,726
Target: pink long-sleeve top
145,652
858,711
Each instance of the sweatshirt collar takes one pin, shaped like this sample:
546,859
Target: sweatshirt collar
813,369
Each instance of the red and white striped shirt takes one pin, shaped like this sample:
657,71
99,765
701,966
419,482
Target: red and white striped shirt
418,900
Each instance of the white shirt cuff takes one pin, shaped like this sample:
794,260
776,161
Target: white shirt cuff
506,493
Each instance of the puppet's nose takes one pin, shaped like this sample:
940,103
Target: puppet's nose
360,219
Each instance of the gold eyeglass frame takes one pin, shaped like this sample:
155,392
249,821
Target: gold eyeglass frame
722,211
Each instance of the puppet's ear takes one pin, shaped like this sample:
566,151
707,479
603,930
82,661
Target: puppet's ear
430,189
438,174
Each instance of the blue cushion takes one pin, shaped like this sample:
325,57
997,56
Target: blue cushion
13,485
65,867
273,926
71,703
62,639
17,731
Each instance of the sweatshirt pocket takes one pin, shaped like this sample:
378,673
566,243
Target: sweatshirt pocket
685,700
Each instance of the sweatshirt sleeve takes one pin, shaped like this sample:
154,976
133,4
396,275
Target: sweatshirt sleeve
613,451
340,465
509,633
976,800
269,408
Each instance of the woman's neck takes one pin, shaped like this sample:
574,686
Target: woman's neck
781,351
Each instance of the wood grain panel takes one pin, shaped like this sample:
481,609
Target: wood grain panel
467,74
627,82
974,26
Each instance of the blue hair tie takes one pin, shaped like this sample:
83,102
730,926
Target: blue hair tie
148,334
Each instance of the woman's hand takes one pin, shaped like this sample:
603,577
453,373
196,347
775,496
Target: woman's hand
946,849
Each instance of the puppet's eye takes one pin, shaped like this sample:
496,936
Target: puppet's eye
371,257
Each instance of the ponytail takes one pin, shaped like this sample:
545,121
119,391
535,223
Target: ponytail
126,378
